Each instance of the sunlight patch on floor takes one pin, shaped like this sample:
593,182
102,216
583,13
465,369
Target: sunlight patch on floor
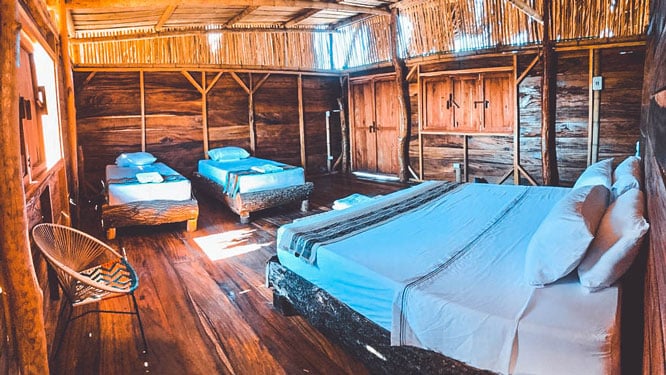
228,244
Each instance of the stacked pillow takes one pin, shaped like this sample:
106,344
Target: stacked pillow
229,153
135,159
602,242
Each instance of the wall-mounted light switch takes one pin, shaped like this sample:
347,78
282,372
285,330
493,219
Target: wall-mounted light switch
597,83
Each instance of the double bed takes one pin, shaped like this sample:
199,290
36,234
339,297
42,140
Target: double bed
250,184
149,194
431,279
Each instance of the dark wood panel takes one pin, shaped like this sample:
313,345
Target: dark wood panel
107,94
277,121
227,104
320,94
171,93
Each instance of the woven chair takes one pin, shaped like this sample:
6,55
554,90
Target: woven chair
88,270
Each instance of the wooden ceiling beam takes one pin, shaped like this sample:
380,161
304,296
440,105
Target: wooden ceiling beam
527,9
165,17
237,18
301,17
101,4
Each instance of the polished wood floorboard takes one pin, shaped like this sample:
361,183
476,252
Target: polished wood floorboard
203,300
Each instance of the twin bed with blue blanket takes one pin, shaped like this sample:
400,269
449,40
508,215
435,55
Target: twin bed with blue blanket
147,194
251,184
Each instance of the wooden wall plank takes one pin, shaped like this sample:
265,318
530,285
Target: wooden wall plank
276,116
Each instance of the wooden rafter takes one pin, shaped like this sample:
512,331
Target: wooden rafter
237,18
301,17
527,9
165,16
99,4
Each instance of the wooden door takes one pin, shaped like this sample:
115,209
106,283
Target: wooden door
498,95
364,143
467,118
438,104
387,122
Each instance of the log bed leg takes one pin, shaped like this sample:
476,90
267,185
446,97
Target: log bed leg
305,205
192,225
110,233
244,217
282,305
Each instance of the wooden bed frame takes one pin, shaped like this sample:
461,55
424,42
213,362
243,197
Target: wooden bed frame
149,213
361,337
245,203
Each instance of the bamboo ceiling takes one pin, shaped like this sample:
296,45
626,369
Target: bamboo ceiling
321,35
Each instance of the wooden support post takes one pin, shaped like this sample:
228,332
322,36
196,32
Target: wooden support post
516,124
250,116
25,300
301,123
344,139
204,113
142,89
421,117
465,158
596,104
404,116
71,152
548,145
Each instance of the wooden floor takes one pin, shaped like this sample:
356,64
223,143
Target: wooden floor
203,301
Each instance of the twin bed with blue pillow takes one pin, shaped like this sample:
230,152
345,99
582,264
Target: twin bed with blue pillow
247,184
142,191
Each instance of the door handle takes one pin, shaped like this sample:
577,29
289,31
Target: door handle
484,102
372,128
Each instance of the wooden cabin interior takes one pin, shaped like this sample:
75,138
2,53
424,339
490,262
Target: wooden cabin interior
366,96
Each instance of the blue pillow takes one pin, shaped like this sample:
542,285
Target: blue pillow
135,159
229,153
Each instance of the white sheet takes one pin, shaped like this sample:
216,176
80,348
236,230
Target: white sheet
121,193
472,311
219,172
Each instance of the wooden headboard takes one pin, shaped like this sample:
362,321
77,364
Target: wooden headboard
653,130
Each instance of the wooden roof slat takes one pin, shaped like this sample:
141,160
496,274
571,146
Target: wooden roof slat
97,4
302,17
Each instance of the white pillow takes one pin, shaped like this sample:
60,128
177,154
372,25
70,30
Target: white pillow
229,153
617,242
560,242
627,175
599,173
135,158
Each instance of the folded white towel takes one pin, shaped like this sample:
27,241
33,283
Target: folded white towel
149,177
266,168
350,200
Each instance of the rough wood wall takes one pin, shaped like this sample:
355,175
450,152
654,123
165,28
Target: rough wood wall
490,157
109,118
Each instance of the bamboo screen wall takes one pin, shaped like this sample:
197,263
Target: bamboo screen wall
361,43
292,49
426,27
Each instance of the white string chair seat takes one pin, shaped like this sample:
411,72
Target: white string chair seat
88,270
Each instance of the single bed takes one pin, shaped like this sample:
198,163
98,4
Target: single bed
251,184
443,271
147,195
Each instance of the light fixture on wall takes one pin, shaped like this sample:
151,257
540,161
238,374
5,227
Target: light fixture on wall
40,100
